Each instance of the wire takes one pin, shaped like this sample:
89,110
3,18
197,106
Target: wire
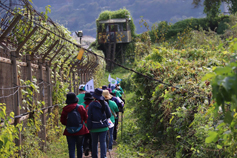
10,87
10,94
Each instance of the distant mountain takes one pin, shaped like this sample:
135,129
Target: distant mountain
82,14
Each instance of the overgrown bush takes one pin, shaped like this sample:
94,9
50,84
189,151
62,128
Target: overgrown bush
184,117
169,31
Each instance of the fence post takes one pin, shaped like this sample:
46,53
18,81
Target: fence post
56,108
74,84
29,77
85,77
81,77
70,81
43,116
49,86
8,30
16,97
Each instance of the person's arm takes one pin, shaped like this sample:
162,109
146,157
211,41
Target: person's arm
107,110
63,118
83,113
114,107
90,110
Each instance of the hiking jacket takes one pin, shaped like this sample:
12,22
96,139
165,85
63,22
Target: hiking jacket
114,109
121,89
97,119
84,105
117,102
117,93
83,114
81,98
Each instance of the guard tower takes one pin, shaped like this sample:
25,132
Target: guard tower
113,34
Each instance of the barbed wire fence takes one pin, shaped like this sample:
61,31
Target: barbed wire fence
33,47
31,40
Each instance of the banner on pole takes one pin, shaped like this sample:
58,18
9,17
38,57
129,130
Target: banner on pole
89,87
118,79
109,78
113,82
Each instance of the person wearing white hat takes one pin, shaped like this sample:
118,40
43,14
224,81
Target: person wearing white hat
81,94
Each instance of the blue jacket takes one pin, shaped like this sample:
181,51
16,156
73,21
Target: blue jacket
97,119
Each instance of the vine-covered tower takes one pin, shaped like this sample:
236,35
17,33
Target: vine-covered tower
113,34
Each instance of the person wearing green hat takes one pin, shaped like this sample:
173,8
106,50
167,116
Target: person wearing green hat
117,93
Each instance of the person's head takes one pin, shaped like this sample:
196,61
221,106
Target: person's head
104,87
107,95
117,86
88,96
71,98
81,88
97,94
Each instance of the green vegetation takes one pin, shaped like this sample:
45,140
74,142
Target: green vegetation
166,31
197,117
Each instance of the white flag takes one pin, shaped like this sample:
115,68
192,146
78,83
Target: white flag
109,78
89,87
113,82
118,79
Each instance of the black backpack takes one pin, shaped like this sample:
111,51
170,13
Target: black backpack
74,121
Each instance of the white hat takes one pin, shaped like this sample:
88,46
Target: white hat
81,87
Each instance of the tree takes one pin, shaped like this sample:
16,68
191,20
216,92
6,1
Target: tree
212,7
233,6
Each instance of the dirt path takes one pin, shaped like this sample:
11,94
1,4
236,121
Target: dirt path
112,153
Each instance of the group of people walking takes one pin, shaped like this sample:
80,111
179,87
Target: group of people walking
90,117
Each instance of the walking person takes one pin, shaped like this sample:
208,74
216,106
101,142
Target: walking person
97,122
72,117
120,107
87,146
81,94
113,108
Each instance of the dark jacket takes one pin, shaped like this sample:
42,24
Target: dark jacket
83,114
97,119
117,102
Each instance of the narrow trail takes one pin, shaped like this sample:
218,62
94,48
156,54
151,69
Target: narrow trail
111,154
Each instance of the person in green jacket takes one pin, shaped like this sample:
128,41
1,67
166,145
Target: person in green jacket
81,94
113,108
117,93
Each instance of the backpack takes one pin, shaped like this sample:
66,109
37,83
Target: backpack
74,124
97,119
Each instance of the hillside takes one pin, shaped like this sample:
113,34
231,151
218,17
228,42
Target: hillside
81,15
